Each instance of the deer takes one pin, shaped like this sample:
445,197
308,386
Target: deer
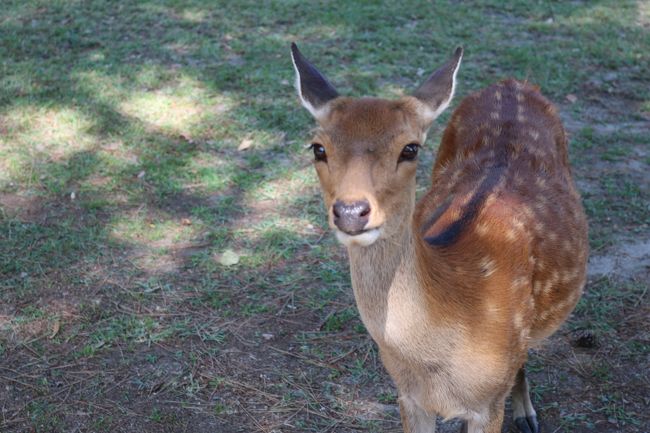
457,287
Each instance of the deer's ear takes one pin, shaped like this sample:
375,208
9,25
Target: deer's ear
313,88
436,92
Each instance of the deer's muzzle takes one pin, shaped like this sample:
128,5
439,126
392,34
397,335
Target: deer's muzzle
351,218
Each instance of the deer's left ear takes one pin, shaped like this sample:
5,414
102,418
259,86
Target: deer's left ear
313,88
436,92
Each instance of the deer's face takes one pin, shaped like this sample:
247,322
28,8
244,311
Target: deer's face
365,154
365,150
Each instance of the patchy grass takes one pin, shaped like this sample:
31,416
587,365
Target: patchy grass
121,187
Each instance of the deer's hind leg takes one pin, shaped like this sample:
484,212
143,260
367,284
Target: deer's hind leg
523,411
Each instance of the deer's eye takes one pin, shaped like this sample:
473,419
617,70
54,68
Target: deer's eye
409,152
319,152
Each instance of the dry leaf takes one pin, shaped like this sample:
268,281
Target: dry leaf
571,98
186,222
55,329
229,258
245,144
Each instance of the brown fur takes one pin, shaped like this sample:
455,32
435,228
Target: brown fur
490,261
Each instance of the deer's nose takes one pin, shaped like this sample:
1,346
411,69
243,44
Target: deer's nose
351,218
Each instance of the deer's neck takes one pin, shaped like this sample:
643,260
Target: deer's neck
389,295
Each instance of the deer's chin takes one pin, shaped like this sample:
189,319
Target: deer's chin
363,239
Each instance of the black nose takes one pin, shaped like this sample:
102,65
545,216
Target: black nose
351,217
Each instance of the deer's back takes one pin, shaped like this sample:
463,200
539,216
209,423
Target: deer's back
503,210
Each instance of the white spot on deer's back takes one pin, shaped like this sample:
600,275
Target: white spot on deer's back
570,275
489,200
531,303
533,134
518,320
517,224
454,214
531,261
551,282
548,286
526,210
482,229
493,309
488,266
519,283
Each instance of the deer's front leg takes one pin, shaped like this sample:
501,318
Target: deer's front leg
414,419
490,423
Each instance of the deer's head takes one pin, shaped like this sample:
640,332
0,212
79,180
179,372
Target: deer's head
365,149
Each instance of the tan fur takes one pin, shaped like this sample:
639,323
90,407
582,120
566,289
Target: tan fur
453,321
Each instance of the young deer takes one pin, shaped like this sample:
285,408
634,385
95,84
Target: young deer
456,288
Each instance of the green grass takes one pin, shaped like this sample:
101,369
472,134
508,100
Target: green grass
121,186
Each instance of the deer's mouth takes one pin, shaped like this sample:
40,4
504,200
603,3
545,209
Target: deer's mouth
361,238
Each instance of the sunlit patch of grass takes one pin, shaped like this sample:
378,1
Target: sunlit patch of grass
38,136
156,241
194,15
283,189
643,17
138,227
271,224
270,240
599,14
158,100
164,110
10,164
56,132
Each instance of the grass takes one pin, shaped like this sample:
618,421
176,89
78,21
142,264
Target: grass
121,186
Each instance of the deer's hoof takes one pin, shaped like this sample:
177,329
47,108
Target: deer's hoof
527,424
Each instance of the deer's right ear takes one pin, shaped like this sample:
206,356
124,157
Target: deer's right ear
313,88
